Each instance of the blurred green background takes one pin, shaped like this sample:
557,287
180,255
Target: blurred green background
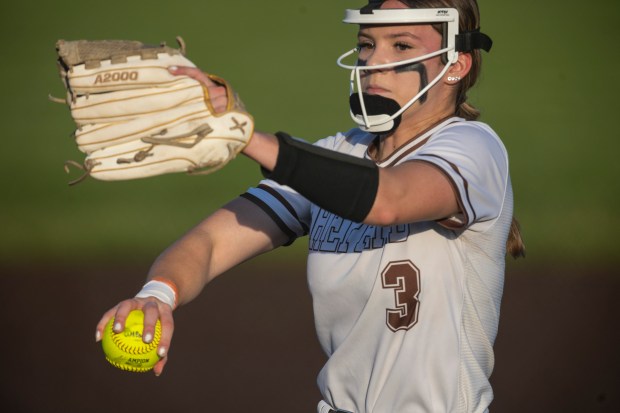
549,88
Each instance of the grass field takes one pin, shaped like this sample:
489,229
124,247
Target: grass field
549,88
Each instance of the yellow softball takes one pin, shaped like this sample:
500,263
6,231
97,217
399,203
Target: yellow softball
126,350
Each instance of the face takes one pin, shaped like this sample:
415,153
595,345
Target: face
393,43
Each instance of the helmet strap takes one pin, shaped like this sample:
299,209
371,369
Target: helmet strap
470,41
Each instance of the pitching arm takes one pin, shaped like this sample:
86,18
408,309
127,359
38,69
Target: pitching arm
233,234
230,236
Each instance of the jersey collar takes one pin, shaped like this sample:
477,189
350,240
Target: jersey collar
411,145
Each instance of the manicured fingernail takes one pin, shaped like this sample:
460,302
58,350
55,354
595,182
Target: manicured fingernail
117,327
161,351
173,68
97,336
148,337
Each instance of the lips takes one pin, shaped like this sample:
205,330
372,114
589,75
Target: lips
376,90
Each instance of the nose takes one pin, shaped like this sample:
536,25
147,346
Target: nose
376,56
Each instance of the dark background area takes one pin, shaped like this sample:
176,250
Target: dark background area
248,343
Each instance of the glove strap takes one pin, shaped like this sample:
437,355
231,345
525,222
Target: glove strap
162,289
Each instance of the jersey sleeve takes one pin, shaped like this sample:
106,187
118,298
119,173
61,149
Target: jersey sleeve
475,160
289,210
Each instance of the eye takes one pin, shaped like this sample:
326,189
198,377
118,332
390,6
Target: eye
365,45
401,46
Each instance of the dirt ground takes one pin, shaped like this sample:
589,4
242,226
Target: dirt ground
557,349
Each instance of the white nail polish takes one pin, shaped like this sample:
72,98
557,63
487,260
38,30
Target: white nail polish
117,327
148,338
97,336
161,352
173,68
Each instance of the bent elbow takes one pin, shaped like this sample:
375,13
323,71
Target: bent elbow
383,217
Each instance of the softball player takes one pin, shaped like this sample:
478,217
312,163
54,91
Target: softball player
407,217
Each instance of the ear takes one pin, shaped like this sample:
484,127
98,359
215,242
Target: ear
458,70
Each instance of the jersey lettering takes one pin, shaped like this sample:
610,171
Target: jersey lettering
404,278
331,233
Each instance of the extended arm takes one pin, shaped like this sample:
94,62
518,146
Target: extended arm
230,236
350,187
356,188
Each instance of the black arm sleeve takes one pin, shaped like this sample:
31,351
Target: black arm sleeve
339,183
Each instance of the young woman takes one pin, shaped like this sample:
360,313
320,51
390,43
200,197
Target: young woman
407,216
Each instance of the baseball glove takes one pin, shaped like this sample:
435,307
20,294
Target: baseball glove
135,119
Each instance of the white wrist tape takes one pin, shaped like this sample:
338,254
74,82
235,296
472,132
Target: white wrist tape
163,290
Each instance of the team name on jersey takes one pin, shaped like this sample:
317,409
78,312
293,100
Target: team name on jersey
330,233
120,76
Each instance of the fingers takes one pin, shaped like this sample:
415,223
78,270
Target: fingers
103,322
119,313
192,72
153,310
159,366
156,310
220,104
122,311
151,315
167,330
217,92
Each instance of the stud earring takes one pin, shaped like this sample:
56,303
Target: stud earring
454,78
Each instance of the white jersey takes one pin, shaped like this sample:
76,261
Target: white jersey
408,314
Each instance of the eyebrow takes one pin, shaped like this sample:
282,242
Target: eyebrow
391,35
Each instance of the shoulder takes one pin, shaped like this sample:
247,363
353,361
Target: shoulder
474,158
468,142
353,142
470,134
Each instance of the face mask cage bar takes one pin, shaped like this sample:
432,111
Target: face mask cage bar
355,82
453,42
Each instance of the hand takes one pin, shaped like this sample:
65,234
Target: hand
263,147
217,92
153,310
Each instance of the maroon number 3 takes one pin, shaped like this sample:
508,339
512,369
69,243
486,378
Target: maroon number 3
404,278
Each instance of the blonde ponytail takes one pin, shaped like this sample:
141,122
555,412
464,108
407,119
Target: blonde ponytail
467,111
514,245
